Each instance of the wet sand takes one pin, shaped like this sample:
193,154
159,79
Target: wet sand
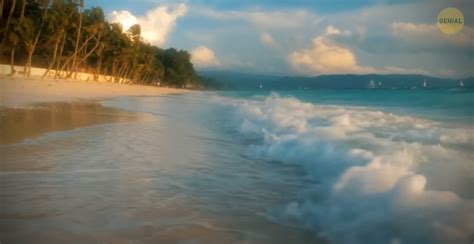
17,124
29,108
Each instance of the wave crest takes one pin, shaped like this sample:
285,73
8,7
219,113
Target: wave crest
382,177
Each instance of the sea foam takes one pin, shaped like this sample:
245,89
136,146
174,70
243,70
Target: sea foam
383,178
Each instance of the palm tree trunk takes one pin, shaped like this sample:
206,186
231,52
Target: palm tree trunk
23,4
92,50
12,61
82,53
136,75
148,77
75,54
27,68
7,27
1,8
122,68
99,65
156,77
55,54
78,38
123,71
114,75
124,75
130,73
31,50
60,56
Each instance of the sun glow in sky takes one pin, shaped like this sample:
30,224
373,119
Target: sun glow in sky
306,37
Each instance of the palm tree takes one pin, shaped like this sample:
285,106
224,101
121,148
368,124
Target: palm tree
115,48
78,35
14,40
93,26
7,26
25,29
1,9
30,32
57,21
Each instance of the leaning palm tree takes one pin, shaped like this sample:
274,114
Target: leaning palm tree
93,22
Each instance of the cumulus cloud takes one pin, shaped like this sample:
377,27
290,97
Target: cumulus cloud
155,25
267,40
332,31
325,57
125,18
381,44
203,56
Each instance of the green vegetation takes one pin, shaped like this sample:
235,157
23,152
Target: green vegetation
62,35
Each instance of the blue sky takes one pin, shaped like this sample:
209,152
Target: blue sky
305,37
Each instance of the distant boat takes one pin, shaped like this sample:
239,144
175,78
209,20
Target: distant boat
380,83
371,84
425,84
261,86
461,84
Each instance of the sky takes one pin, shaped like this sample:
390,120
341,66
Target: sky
306,37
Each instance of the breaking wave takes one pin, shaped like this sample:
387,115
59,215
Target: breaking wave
382,177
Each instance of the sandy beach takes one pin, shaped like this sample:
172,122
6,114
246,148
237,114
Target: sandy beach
32,107
19,92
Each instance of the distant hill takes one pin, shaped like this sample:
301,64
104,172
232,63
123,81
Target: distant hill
229,80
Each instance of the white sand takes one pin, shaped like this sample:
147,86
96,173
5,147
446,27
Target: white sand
19,92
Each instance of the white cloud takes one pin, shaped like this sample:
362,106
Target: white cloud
204,57
365,42
430,35
155,25
325,57
331,31
267,40
263,19
158,23
123,17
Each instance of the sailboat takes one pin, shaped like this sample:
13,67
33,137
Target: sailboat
261,86
461,84
425,84
371,84
380,83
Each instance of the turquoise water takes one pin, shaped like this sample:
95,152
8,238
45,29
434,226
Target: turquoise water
443,104
352,166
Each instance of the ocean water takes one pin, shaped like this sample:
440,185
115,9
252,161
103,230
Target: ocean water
337,166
